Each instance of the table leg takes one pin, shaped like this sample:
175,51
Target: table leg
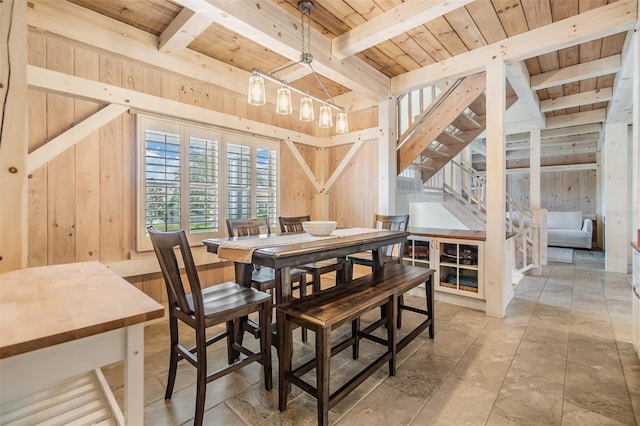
134,375
283,285
285,352
243,277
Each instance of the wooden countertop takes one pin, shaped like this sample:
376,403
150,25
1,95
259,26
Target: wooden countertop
45,306
460,234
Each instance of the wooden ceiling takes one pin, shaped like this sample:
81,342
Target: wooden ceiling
468,25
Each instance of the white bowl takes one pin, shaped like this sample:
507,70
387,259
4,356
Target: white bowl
319,228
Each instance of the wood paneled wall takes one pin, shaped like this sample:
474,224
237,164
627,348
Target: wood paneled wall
570,190
82,202
559,191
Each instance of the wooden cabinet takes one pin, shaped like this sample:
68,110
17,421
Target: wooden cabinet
458,263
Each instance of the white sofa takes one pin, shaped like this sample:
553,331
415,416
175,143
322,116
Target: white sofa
567,229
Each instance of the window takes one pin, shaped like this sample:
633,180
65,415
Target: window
190,174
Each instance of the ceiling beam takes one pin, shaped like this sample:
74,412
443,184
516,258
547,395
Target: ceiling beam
564,149
576,100
596,23
479,146
518,77
620,108
82,88
603,66
578,118
271,26
182,30
553,133
551,169
83,25
552,142
393,22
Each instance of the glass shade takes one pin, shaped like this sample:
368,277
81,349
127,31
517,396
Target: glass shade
325,120
283,101
257,94
306,109
342,122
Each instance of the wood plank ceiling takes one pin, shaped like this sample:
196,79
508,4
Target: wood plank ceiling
471,26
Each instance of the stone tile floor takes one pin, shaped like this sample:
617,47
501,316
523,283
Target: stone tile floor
562,355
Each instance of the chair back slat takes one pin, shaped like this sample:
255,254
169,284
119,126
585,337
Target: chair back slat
245,227
164,244
292,224
392,223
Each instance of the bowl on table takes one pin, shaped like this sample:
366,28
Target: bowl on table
319,228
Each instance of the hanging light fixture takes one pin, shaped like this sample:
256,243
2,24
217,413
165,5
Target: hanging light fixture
257,94
342,122
306,109
283,101
325,120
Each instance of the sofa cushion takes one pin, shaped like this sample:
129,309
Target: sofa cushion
568,238
564,220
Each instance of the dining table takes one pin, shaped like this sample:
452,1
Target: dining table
284,251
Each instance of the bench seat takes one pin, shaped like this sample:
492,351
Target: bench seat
324,311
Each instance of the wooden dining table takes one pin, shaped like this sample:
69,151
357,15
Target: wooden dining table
282,252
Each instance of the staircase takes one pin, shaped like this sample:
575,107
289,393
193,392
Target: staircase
446,126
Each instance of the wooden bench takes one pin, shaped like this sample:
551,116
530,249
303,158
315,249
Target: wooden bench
325,311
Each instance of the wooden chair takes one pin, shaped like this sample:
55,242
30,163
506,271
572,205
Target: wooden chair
203,308
391,254
263,278
316,269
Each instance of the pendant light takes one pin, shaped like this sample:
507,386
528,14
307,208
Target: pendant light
257,94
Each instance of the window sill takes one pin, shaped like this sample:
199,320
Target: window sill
142,263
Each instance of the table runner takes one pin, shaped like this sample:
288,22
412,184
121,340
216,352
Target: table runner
242,250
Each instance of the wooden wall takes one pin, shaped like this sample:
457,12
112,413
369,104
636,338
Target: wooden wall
82,202
559,190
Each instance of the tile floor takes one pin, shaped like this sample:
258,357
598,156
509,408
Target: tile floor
561,356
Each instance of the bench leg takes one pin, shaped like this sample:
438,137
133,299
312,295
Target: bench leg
323,368
355,328
429,290
392,308
285,337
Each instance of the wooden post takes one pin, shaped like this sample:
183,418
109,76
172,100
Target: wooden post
497,282
616,159
540,243
635,137
13,135
387,157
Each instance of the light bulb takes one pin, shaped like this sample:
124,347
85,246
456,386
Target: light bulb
306,109
283,101
325,120
342,122
257,94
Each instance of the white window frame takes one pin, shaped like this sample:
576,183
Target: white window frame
186,130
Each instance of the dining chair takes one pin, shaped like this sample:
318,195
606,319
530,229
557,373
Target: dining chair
315,269
227,303
390,254
264,278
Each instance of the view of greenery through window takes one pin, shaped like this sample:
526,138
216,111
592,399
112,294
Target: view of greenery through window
187,186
